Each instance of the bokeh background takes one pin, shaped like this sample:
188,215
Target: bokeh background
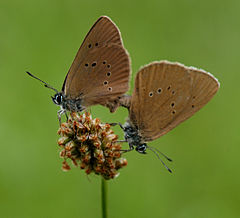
44,36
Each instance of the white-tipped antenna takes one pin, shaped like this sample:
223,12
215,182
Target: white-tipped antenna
45,84
155,152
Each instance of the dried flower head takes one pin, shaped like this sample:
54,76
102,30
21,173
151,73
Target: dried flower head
91,145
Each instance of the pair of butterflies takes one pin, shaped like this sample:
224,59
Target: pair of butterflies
165,93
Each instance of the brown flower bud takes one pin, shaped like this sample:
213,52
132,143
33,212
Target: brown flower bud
91,145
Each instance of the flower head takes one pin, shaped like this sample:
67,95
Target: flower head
91,145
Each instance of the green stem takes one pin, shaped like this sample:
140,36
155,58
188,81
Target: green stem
104,198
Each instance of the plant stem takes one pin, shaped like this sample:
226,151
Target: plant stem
104,198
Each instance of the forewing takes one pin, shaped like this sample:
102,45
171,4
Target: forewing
183,92
104,76
103,33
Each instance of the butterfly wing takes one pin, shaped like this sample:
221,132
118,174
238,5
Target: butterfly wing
204,87
164,94
104,32
102,75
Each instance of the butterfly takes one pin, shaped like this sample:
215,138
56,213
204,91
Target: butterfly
165,94
99,73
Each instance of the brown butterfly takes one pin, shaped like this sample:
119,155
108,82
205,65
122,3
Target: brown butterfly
165,94
99,73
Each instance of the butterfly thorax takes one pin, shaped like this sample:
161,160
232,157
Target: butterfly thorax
132,135
73,105
134,138
67,103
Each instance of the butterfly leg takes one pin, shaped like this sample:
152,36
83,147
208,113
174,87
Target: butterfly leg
66,115
114,124
127,150
121,126
120,141
59,113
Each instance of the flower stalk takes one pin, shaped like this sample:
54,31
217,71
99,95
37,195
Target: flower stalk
104,192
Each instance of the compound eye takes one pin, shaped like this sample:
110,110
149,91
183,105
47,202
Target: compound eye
141,148
59,99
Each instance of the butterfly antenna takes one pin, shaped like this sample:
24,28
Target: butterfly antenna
169,159
151,148
45,84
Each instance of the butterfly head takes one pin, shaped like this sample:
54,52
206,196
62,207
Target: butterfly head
142,148
58,98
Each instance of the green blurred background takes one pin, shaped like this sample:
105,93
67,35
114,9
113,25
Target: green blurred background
44,36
